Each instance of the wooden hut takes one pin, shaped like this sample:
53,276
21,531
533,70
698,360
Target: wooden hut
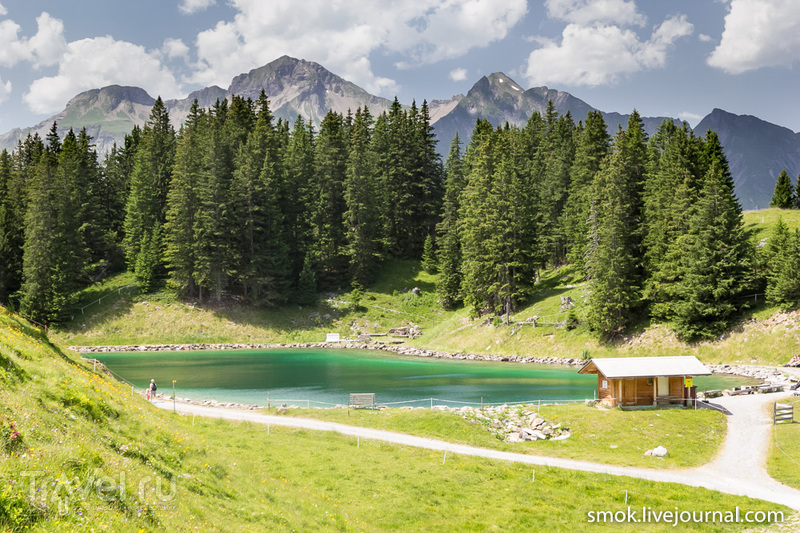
640,381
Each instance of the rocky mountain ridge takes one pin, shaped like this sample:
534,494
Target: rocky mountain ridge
756,149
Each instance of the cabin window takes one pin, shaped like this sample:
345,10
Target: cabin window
605,384
650,382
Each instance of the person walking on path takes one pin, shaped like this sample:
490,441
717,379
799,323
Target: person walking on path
151,390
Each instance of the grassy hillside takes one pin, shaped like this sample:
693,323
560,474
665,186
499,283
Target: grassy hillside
79,451
764,335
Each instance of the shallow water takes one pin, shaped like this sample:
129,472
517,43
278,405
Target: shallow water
327,377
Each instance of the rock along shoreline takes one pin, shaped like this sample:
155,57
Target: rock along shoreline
759,373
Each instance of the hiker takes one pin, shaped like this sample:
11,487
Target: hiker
151,390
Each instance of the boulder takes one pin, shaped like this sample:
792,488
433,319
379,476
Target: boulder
659,451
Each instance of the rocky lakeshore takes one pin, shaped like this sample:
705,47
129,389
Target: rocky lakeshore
396,349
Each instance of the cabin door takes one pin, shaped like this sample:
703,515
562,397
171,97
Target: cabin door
662,387
628,392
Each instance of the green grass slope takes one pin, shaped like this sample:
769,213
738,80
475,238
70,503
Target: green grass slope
80,452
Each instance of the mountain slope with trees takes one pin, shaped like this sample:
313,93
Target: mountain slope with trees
237,204
757,150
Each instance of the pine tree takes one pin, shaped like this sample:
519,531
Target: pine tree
299,167
783,286
392,136
9,250
429,262
449,257
307,284
146,208
613,256
497,225
717,257
328,205
261,254
592,148
361,220
183,204
214,221
40,298
670,191
15,206
782,197
475,222
118,166
554,181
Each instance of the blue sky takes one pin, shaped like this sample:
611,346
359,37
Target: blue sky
665,58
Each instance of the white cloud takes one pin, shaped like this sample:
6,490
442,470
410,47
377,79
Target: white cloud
3,10
98,62
5,88
175,49
193,6
342,35
585,12
43,49
459,74
758,33
48,45
12,49
601,54
705,38
692,118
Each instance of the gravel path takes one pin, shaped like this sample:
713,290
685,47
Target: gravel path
737,469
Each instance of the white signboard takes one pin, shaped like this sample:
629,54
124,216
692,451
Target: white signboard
331,337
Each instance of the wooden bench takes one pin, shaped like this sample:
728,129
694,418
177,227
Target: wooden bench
362,400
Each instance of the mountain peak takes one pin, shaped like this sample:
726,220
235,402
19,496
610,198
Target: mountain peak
111,97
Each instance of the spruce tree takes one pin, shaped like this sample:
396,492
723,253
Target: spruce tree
592,148
783,285
782,197
671,189
10,270
299,167
15,206
39,296
449,257
428,261
475,222
554,181
214,221
613,256
328,204
183,203
716,258
362,217
146,208
261,254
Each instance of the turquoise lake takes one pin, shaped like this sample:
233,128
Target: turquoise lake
326,377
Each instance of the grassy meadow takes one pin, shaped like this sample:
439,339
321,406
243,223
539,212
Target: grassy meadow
608,436
80,452
783,461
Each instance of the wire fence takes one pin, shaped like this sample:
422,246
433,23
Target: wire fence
430,403
96,302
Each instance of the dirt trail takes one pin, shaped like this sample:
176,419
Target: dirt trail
738,468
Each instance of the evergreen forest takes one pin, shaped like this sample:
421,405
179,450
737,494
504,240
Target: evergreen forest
239,204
